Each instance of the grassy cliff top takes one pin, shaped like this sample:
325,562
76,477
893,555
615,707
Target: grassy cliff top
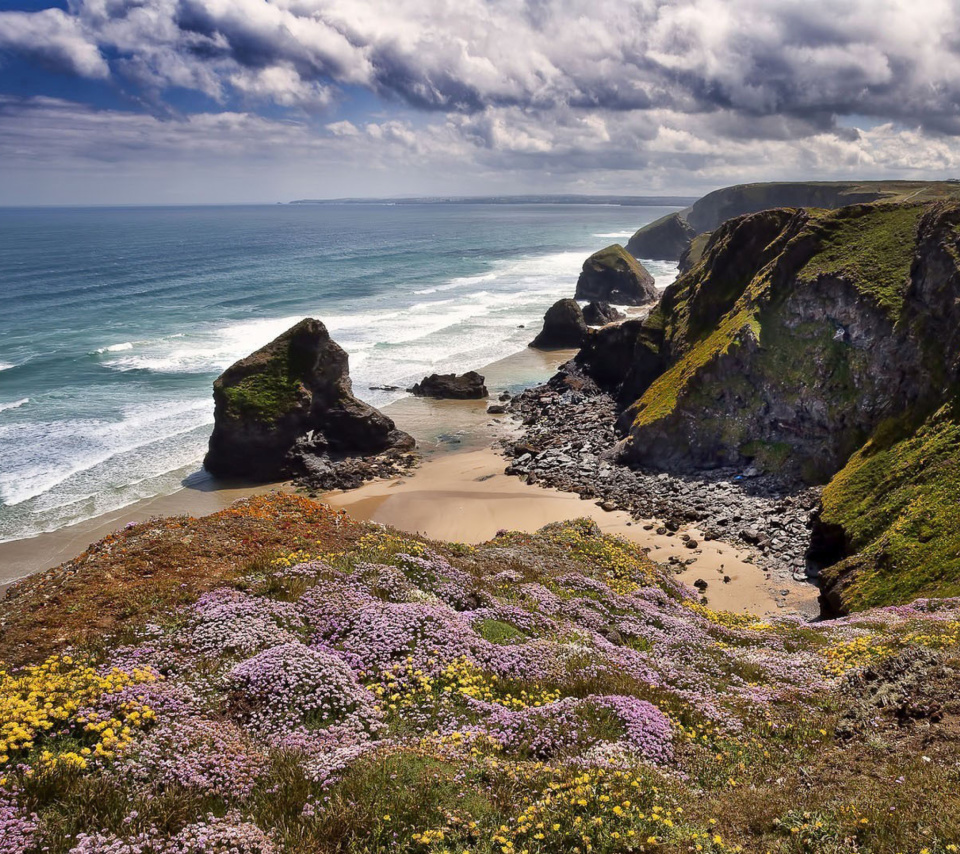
333,687
870,246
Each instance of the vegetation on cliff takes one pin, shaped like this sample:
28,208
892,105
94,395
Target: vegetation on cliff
898,503
278,678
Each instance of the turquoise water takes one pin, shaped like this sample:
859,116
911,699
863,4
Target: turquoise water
115,322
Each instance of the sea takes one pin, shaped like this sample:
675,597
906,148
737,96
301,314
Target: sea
114,322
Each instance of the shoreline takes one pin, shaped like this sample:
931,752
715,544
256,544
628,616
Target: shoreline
459,492
440,427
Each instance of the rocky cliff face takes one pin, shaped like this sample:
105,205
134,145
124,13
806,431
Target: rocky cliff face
297,387
670,237
612,275
813,344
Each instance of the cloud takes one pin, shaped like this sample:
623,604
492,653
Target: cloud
807,60
607,95
55,38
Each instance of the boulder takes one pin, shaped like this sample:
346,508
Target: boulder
468,386
563,326
296,389
666,239
601,313
613,275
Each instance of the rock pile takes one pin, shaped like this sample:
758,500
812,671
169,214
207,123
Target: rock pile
569,444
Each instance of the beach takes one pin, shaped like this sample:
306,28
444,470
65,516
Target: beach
459,493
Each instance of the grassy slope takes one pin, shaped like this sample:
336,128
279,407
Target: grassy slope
898,499
758,764
873,252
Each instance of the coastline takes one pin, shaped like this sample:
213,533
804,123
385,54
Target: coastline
440,427
459,493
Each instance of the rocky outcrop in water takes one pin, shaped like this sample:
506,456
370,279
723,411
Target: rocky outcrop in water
293,396
613,275
468,386
662,240
563,327
601,313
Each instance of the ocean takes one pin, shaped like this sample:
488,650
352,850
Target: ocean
116,321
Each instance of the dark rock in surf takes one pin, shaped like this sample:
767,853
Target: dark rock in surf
563,327
295,390
468,386
613,275
601,313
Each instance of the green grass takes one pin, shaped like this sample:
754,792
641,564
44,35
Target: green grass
497,631
872,251
897,500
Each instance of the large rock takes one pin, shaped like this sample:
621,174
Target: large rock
468,386
601,313
296,388
613,275
665,239
563,327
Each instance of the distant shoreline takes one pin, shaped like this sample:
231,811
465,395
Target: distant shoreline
623,201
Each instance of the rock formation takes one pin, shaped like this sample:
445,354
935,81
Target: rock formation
613,275
468,386
295,390
601,313
563,326
822,346
663,240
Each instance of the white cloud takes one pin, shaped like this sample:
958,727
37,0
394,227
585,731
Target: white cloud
627,95
55,38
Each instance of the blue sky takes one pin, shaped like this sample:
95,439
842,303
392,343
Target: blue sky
181,101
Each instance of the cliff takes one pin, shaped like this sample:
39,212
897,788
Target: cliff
297,388
669,237
817,345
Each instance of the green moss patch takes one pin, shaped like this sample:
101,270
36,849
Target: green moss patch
898,499
873,250
270,391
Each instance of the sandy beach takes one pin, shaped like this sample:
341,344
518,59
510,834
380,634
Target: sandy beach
459,493
466,497
439,426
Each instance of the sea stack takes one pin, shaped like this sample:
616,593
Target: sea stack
563,326
296,387
614,275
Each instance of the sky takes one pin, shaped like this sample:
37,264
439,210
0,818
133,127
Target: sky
226,101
